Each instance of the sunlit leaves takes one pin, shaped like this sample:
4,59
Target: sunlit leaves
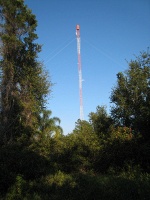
131,96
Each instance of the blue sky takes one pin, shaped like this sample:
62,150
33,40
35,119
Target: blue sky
112,31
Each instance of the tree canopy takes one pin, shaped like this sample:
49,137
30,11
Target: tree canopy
131,96
24,84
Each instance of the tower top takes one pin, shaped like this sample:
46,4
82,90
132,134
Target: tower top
77,27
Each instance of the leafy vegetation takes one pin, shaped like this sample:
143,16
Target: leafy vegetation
131,96
106,157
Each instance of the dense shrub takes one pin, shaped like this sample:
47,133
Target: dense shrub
83,186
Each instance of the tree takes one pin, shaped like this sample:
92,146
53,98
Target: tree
82,148
24,84
131,96
100,120
49,126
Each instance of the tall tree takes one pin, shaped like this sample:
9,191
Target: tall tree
100,121
24,84
131,96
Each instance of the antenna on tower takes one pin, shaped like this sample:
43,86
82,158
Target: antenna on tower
79,70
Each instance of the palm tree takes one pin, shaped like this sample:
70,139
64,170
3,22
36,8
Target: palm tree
49,127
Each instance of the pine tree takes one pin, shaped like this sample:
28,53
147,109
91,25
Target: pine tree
24,84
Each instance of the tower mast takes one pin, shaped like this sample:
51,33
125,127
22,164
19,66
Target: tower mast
79,71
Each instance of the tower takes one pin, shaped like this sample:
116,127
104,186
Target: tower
79,71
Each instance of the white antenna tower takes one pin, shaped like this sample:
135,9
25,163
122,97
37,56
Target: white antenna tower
79,71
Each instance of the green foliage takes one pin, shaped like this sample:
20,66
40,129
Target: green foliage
49,127
82,186
118,148
131,96
17,191
100,121
81,148
24,82
19,159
